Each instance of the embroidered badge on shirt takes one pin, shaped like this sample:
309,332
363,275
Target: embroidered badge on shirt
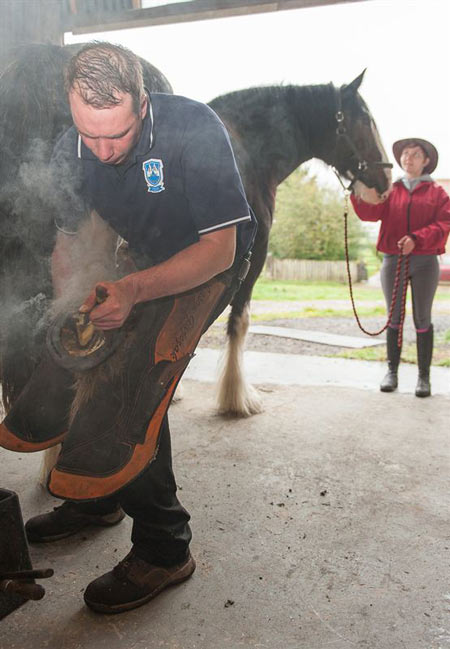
153,174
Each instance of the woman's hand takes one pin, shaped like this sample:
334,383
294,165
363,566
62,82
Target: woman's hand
406,244
370,195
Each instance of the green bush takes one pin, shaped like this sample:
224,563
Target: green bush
309,224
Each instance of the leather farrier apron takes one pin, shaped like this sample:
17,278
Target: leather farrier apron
113,435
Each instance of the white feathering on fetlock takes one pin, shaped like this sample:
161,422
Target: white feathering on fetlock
236,397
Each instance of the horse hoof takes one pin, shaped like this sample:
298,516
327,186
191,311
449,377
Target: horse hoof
48,461
243,404
179,393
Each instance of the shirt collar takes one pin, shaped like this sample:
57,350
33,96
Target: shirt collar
146,138
143,145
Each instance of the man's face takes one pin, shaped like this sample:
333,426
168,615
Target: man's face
110,133
413,161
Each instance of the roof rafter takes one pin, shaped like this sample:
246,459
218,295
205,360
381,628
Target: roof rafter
103,19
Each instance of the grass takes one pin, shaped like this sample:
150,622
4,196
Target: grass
293,290
409,353
313,312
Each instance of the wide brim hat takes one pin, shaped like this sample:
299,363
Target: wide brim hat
430,149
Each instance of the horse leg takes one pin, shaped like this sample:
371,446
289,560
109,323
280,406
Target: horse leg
236,397
179,392
48,461
97,248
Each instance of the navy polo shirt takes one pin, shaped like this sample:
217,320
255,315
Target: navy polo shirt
180,181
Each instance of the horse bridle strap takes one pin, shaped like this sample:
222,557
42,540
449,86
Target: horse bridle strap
341,132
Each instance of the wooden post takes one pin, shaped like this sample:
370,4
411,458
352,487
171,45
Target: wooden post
29,21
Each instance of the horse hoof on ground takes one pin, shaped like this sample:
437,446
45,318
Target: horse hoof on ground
179,393
49,459
239,402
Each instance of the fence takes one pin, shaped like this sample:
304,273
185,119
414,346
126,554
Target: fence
309,269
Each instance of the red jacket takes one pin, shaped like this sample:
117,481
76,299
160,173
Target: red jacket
423,213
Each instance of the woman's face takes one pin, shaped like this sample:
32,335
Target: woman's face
413,160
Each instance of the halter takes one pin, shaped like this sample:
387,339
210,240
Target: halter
341,132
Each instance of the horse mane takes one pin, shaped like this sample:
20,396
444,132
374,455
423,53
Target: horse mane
292,118
307,99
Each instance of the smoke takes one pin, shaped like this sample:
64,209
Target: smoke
33,113
93,260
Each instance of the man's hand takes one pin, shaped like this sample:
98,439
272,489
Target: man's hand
116,308
406,244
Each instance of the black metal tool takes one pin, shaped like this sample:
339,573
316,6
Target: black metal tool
17,576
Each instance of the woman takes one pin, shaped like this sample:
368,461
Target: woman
415,221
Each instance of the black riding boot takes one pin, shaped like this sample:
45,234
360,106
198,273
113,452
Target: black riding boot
424,355
390,381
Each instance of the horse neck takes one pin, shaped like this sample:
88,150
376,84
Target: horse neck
313,109
278,127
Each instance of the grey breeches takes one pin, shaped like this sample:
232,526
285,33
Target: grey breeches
423,278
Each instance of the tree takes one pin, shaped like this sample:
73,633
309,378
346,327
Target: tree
309,223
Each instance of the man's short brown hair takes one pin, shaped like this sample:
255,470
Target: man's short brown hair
100,72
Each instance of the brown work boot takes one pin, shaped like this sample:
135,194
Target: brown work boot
65,520
134,582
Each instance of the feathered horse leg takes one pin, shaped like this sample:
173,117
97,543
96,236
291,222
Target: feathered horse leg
235,396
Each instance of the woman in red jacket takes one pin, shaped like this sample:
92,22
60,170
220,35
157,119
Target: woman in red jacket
415,221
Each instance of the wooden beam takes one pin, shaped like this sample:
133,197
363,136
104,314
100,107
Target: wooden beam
183,12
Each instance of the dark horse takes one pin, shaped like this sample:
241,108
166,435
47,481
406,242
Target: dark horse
273,131
33,113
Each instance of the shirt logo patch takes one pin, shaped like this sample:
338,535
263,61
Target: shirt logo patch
153,174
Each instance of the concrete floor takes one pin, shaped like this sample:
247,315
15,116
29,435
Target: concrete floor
322,523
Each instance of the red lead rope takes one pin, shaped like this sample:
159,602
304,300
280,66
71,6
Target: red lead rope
394,293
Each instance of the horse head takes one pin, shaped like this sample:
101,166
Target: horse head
359,153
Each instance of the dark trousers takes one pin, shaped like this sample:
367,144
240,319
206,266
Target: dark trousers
424,278
161,533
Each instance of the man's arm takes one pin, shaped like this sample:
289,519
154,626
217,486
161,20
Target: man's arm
187,269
